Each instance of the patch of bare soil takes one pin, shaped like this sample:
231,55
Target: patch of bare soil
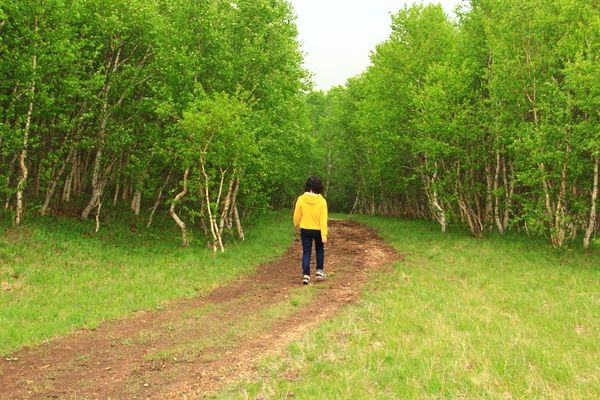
193,347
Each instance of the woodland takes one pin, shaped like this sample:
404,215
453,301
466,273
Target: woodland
201,110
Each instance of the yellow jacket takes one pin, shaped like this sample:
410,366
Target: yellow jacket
311,213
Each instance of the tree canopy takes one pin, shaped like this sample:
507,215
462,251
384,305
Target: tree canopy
489,120
120,101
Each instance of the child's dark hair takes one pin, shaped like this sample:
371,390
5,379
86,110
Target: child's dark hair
314,184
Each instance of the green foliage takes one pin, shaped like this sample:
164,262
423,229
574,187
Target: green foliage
490,121
115,88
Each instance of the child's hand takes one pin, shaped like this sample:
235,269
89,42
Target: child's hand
324,240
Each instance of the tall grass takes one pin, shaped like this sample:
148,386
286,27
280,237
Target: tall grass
58,275
460,318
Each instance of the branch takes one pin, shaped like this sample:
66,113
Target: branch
126,92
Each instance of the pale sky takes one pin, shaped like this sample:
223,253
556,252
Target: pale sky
337,36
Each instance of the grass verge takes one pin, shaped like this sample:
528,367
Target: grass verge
460,318
58,276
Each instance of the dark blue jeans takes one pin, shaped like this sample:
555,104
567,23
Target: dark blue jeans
308,236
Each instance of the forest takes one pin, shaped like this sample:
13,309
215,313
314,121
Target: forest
184,106
490,121
202,110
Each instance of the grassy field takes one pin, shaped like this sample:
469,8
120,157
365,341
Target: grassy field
58,276
460,318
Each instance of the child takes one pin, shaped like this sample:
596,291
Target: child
310,214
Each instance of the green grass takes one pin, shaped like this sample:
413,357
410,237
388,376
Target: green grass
63,277
460,318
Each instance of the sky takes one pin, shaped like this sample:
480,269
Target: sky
337,36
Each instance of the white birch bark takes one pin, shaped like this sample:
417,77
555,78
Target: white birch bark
97,180
98,217
66,194
158,199
592,221
54,183
547,200
509,186
214,229
226,205
499,224
116,194
96,193
229,219
135,202
184,232
238,223
440,213
559,234
489,208
23,157
432,194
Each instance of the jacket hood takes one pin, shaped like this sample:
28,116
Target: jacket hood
312,198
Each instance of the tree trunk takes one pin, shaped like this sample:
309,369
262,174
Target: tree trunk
214,229
354,209
38,176
438,211
202,216
54,183
10,169
77,175
119,174
98,186
471,217
509,187
238,223
99,182
98,217
229,217
13,99
135,202
226,205
499,224
489,208
592,222
558,235
124,186
66,195
548,201
23,158
96,178
96,194
116,195
184,232
158,198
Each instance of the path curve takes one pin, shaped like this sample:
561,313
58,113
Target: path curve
194,347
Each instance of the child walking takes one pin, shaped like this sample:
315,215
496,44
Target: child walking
310,215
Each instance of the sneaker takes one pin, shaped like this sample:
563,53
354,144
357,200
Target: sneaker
305,279
320,275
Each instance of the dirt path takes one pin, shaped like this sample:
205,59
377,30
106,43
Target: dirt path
194,347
